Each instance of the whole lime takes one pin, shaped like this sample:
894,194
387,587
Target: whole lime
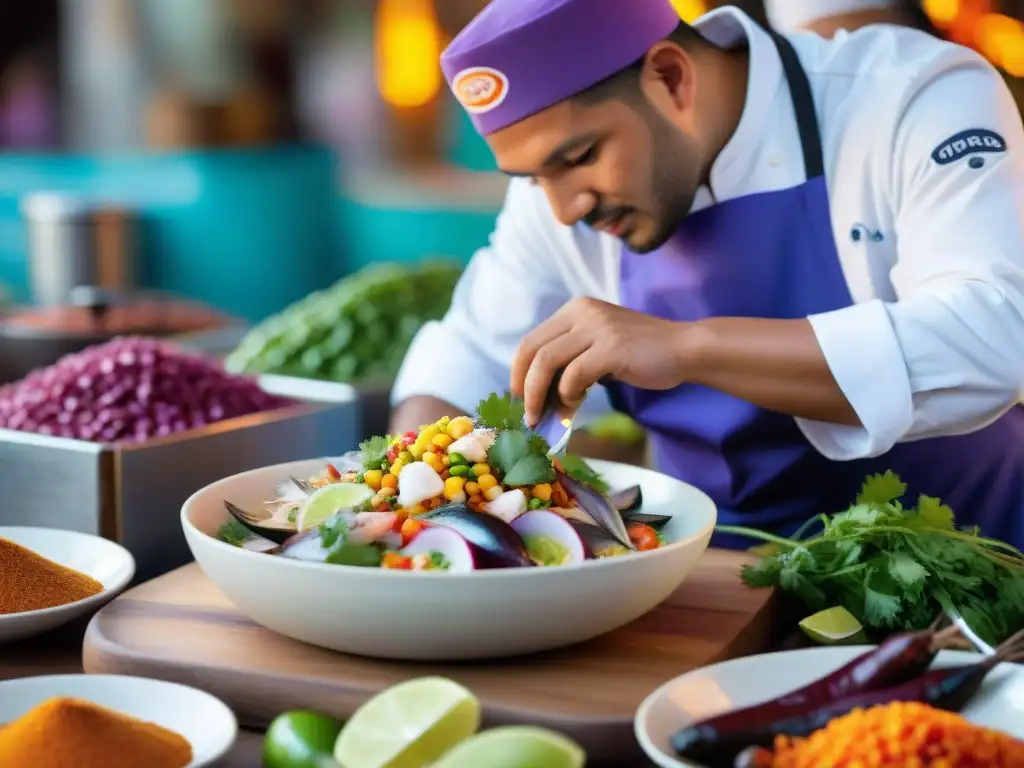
301,739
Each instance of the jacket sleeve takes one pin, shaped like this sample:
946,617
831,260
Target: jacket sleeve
947,357
509,287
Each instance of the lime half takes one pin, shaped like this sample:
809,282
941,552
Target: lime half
834,626
330,500
516,747
409,725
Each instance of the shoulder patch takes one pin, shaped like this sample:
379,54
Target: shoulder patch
968,143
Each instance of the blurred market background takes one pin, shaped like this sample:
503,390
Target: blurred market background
298,166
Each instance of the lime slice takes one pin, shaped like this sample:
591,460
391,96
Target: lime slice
300,739
330,500
516,747
409,725
834,626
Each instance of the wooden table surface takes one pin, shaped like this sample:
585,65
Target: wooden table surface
60,653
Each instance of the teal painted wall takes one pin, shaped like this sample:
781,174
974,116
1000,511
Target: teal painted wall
248,232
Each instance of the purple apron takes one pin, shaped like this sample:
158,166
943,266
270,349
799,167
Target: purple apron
773,255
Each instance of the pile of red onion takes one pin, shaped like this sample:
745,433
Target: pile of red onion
129,390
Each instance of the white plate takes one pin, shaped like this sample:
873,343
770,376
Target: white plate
742,682
446,616
109,563
204,721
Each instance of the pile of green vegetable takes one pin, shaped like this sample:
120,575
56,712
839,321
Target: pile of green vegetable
896,568
358,330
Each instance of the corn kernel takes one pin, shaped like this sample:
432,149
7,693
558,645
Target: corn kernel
373,478
460,427
443,422
431,459
479,470
454,485
486,482
416,451
397,466
542,492
493,492
428,434
445,461
472,488
442,441
458,498
389,481
387,492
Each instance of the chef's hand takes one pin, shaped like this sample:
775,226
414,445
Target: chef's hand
589,339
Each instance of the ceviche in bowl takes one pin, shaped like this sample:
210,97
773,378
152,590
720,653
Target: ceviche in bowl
461,540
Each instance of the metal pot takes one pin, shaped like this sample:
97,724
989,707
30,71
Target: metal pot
77,244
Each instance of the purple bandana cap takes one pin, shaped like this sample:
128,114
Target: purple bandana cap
519,57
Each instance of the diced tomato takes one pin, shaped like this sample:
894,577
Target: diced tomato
392,455
410,529
333,473
396,562
410,435
383,507
644,537
400,518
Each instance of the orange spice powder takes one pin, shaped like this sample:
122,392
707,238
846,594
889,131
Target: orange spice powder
905,734
32,582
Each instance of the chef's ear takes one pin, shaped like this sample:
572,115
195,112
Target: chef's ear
669,78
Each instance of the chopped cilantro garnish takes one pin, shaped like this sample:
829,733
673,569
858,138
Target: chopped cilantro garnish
333,530
234,533
520,459
373,452
501,412
439,561
293,514
896,568
580,471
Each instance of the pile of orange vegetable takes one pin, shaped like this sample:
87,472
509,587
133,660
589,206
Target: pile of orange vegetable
899,734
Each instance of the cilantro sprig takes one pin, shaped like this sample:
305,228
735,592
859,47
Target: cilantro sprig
895,568
234,533
518,452
502,413
373,452
576,468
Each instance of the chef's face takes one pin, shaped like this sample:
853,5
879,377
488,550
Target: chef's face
625,163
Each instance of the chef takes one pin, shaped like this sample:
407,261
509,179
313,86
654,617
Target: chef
794,261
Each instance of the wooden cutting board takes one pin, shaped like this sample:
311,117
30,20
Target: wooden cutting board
181,628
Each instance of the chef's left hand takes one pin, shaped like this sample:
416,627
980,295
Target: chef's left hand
589,339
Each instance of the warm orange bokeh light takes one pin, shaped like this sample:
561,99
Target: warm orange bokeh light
408,52
689,9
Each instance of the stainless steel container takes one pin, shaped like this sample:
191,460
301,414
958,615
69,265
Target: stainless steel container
133,494
76,243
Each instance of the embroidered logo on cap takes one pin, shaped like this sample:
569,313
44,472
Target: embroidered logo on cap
968,143
480,89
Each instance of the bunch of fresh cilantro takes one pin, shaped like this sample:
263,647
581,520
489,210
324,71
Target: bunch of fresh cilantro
896,568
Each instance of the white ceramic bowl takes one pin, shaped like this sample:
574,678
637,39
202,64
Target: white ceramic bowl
204,721
743,682
439,616
109,563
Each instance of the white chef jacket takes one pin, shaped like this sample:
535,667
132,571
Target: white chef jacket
933,253
787,15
